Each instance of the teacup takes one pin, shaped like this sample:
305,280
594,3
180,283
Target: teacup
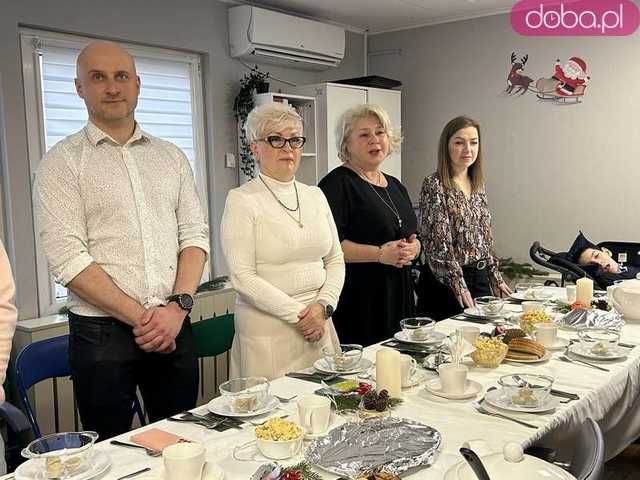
183,460
571,293
408,367
314,412
546,334
469,333
453,377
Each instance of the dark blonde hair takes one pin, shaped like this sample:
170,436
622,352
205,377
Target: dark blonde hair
445,169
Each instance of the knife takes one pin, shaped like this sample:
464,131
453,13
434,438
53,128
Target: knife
138,472
316,377
563,394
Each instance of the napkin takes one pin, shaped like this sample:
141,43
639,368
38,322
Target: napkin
156,439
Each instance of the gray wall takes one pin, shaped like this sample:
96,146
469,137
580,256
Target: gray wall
194,25
551,169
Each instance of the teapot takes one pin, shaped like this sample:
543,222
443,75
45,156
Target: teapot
625,297
511,463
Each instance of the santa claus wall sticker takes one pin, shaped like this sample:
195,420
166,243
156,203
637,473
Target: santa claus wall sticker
567,84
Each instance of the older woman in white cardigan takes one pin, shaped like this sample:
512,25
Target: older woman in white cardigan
8,317
283,253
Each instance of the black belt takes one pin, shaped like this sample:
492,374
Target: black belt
477,265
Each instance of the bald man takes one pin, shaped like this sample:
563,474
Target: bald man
123,229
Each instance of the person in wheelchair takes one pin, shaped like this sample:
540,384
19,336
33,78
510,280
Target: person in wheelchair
599,263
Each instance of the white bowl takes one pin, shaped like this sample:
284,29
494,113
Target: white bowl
279,449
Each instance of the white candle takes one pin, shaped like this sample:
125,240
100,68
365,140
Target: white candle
388,372
584,291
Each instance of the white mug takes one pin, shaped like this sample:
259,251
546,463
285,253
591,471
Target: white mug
453,377
469,333
546,334
408,367
314,412
528,306
571,293
184,460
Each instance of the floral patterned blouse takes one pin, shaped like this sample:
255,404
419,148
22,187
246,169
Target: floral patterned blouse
456,231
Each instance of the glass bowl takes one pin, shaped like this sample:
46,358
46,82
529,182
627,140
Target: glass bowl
343,357
489,305
418,328
599,341
528,289
62,455
245,394
526,389
489,352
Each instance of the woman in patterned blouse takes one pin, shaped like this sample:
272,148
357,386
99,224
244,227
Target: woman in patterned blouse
456,226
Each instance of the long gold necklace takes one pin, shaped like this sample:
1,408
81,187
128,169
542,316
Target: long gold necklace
287,210
391,206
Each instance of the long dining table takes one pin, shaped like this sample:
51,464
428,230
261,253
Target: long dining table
611,398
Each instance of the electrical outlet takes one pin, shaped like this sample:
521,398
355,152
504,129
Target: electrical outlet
230,160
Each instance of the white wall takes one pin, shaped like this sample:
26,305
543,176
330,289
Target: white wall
550,169
194,25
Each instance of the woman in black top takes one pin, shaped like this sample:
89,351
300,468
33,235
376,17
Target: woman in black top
377,229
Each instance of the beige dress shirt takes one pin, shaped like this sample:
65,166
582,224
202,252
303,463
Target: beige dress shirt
8,315
129,208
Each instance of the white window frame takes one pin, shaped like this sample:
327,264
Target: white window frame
30,42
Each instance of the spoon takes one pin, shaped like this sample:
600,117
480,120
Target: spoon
475,463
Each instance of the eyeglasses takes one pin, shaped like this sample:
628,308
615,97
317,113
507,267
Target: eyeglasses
276,141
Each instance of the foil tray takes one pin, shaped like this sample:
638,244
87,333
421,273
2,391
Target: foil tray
392,444
592,318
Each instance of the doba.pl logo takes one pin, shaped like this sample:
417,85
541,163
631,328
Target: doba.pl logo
575,17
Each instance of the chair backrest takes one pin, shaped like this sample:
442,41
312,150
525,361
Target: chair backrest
38,361
588,460
556,261
620,250
214,335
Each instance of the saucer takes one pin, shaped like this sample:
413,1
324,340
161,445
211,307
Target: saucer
561,344
472,388
416,379
474,312
496,399
211,471
219,406
546,357
100,463
323,366
435,337
616,354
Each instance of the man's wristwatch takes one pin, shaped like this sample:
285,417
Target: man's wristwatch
184,301
328,309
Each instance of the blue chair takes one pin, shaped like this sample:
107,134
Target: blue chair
47,359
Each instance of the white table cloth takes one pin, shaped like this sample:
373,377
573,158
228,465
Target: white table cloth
611,398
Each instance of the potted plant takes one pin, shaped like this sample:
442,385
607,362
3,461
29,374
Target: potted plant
514,271
253,82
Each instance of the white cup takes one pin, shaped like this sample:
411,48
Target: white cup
408,367
314,412
546,334
183,460
571,293
469,333
528,306
453,377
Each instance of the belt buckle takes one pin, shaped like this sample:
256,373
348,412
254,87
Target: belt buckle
481,264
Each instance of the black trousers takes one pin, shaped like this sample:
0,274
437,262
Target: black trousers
436,300
107,365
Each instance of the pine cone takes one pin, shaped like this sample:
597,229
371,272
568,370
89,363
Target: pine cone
382,403
384,393
369,400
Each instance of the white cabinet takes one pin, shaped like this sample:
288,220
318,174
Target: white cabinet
333,99
306,107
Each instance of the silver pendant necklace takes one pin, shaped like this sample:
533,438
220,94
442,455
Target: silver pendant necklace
391,206
287,210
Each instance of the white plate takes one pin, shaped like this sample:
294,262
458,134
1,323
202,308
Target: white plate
219,406
323,366
496,399
474,312
561,344
100,463
619,353
435,337
210,472
546,357
520,296
418,377
472,388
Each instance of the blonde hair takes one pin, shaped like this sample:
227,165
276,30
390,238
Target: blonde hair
270,117
344,128
445,169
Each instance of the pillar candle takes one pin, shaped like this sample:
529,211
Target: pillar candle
388,375
584,291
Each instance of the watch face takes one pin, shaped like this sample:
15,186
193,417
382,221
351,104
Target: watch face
186,302
328,311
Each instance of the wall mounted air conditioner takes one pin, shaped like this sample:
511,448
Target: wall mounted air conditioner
264,36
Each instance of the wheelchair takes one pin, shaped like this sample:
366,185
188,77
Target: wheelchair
625,253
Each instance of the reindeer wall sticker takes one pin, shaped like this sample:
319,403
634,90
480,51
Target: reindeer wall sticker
567,84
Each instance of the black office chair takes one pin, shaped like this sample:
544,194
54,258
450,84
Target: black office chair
588,459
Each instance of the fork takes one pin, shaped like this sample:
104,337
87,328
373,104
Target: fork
564,358
149,451
257,424
484,411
